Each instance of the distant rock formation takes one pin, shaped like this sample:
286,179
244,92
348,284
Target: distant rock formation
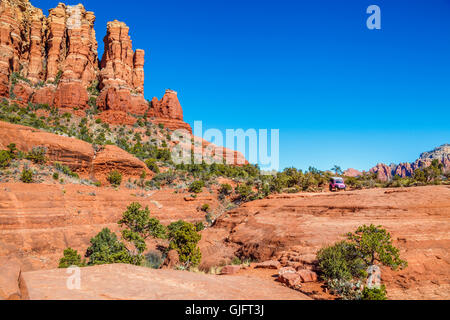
53,60
352,173
386,173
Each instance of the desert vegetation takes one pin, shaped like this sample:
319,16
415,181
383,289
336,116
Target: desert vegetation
151,143
137,226
343,266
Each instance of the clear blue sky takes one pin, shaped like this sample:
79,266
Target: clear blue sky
339,93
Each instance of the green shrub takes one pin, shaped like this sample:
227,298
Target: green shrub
107,249
184,239
244,192
71,258
344,264
341,261
26,176
152,165
56,176
37,155
346,289
196,186
199,226
154,259
115,178
236,261
374,293
5,159
205,207
225,189
12,149
66,170
58,77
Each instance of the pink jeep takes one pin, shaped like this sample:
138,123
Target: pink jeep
337,184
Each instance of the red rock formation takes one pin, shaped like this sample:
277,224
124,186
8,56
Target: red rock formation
80,156
128,282
60,53
441,154
168,111
384,173
19,46
122,73
417,218
352,173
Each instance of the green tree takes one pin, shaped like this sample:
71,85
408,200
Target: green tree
337,170
184,239
107,249
139,226
71,258
375,245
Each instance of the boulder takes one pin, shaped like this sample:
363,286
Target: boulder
229,270
307,275
271,264
171,261
9,279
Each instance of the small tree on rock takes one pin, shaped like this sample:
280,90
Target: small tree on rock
375,245
71,258
184,239
107,249
139,226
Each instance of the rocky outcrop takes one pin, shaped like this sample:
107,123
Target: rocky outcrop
383,172
292,228
53,60
168,111
441,154
127,282
352,173
80,156
39,221
59,51
9,279
121,73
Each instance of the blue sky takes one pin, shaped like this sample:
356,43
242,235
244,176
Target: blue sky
338,92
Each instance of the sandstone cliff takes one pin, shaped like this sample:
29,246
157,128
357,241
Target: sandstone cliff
53,60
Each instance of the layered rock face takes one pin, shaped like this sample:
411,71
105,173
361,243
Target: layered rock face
53,60
122,73
50,59
80,156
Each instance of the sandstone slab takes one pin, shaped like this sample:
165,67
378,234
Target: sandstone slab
126,282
